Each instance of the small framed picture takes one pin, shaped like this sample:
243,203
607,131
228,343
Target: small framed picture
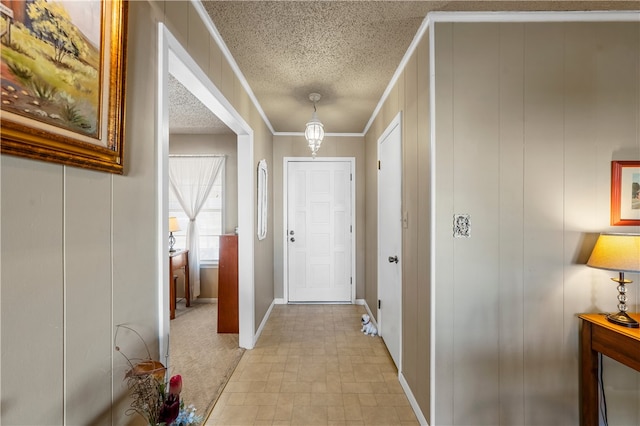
625,193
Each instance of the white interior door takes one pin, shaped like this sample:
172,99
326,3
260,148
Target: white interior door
390,239
319,231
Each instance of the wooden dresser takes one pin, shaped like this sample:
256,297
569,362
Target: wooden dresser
228,285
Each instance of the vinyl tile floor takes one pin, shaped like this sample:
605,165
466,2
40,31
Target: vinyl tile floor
313,366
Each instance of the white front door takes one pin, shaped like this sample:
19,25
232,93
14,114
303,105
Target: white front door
319,231
390,239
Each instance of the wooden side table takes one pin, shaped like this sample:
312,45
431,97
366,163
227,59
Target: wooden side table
597,335
178,260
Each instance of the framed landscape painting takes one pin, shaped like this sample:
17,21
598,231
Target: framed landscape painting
63,68
625,193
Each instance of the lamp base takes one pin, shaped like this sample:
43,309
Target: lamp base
172,241
623,319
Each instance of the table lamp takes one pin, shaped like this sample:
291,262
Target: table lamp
174,226
621,253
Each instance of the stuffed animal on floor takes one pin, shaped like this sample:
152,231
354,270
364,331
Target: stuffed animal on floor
367,326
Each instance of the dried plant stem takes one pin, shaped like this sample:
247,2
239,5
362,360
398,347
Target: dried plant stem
148,396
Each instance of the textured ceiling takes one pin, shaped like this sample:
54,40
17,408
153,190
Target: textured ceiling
187,115
347,51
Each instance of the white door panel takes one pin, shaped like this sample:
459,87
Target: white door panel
319,231
390,240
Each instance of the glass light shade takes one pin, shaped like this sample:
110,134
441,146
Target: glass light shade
314,133
616,252
174,226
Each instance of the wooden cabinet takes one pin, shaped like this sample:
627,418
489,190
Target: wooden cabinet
228,285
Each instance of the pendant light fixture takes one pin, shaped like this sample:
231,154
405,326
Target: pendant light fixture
314,132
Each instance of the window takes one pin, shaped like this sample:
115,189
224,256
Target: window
209,220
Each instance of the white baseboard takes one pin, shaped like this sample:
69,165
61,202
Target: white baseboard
262,324
206,300
405,386
281,301
412,401
366,306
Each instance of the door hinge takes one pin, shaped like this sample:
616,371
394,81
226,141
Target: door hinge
379,304
378,164
351,280
351,177
351,228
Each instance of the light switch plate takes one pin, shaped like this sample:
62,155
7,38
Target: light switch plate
461,226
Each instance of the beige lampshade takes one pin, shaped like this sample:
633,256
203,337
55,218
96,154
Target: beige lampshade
173,224
616,252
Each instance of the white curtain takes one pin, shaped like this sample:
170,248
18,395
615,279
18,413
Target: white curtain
191,180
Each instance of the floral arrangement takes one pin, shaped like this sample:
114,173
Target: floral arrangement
155,399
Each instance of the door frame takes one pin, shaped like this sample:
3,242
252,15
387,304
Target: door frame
285,192
173,58
396,122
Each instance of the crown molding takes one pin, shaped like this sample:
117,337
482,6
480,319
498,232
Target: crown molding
567,16
341,135
215,34
432,17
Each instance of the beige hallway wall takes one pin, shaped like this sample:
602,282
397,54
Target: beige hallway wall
529,117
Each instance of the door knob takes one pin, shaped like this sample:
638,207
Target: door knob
293,240
291,232
393,259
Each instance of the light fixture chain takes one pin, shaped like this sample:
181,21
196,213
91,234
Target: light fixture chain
314,132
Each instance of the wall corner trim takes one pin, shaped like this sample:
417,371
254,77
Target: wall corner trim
412,400
262,324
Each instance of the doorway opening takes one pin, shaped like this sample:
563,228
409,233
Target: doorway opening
175,61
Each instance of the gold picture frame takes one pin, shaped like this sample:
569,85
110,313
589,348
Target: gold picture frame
73,112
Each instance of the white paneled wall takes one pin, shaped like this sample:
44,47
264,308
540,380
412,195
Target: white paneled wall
511,211
529,117
88,335
32,290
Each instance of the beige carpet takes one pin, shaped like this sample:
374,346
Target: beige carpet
204,358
